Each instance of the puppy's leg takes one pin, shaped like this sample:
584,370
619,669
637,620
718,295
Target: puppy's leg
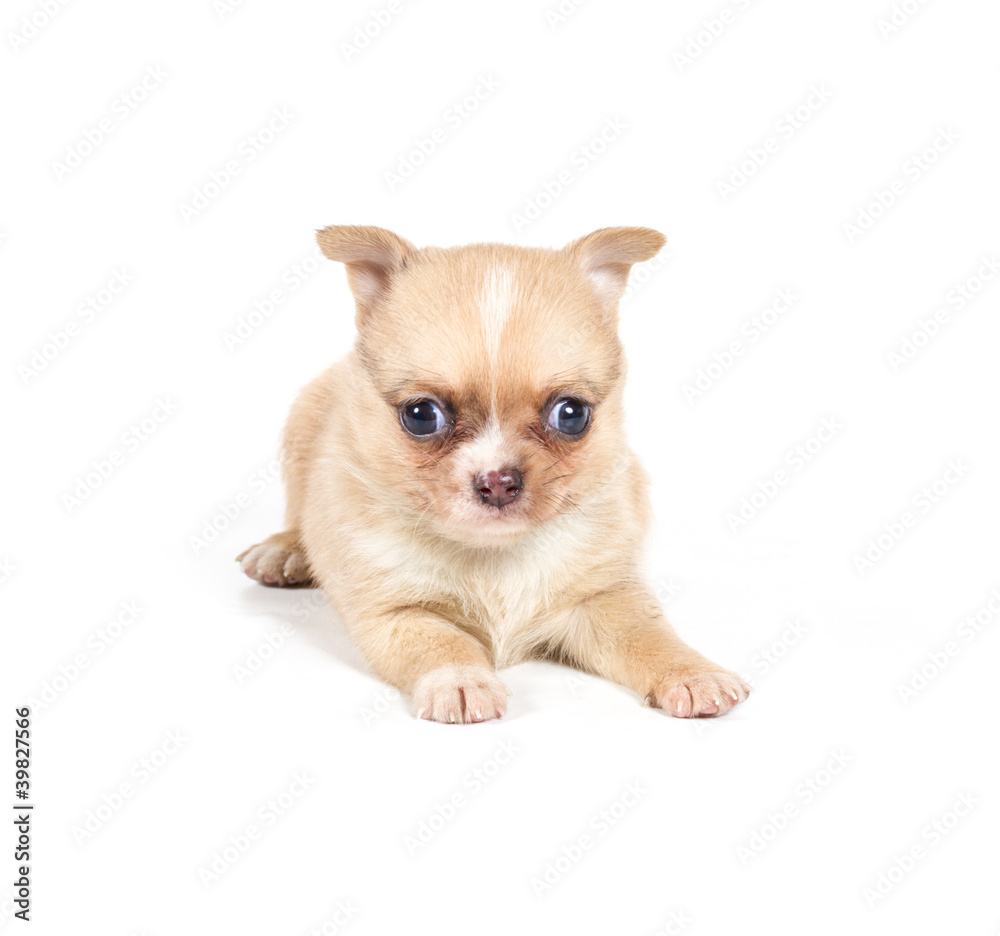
622,634
280,559
445,669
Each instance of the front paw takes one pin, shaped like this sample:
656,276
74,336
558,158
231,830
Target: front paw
460,695
699,694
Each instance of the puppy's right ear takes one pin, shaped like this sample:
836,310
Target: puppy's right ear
373,256
607,255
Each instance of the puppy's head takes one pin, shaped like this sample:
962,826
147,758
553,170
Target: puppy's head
492,375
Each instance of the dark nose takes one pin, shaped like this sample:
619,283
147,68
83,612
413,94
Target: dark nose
499,488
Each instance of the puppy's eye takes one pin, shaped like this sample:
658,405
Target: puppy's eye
422,417
569,416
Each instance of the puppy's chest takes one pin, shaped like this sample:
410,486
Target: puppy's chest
509,593
505,592
510,602
502,593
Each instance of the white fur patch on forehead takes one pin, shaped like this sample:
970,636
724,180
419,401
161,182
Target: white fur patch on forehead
488,451
496,301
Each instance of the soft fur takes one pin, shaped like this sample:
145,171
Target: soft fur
438,588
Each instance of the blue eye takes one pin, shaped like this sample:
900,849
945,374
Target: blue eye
570,416
422,417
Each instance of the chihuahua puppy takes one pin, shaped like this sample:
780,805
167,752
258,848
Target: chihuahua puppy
460,484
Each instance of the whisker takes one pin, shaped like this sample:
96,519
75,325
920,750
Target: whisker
556,462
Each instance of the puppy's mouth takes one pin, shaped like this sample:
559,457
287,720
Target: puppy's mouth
499,520
501,516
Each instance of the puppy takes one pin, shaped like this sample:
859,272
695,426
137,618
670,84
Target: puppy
460,485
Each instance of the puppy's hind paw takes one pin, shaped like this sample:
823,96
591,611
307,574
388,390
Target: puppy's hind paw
460,695
278,561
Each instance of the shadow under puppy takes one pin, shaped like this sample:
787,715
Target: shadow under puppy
460,484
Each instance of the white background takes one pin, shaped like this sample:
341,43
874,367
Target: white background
830,647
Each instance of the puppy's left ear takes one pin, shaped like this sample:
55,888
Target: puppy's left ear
373,256
607,255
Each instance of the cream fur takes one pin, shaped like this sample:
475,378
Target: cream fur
437,588
496,303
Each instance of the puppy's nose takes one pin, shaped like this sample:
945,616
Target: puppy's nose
499,488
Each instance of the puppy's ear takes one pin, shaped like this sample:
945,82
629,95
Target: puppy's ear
373,256
607,256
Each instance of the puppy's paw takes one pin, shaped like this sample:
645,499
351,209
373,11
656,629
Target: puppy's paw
276,561
699,694
460,694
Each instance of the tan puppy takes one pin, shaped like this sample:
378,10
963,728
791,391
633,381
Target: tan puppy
460,484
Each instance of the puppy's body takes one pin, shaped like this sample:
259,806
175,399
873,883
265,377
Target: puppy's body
509,532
